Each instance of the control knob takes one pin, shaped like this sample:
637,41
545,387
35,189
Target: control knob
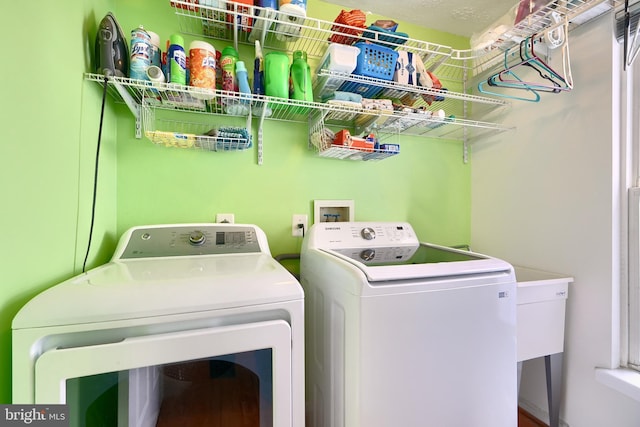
368,233
197,238
368,254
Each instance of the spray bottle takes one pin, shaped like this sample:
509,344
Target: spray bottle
258,71
176,70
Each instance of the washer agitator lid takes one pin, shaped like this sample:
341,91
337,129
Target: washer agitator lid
166,282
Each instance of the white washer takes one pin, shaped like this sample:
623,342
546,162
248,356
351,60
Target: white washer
172,295
403,333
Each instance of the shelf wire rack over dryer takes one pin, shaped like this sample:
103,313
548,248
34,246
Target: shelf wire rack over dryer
201,135
452,66
152,105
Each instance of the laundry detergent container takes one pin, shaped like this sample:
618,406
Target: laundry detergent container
541,305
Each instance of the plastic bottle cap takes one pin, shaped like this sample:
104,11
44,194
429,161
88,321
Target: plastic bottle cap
230,51
240,66
176,39
300,54
155,38
197,44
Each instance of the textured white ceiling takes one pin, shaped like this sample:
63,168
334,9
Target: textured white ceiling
461,17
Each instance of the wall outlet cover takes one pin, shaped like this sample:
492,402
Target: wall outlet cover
227,218
296,229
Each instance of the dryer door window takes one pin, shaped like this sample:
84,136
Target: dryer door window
232,375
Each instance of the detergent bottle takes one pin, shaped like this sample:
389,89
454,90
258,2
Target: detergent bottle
300,81
243,81
276,74
228,61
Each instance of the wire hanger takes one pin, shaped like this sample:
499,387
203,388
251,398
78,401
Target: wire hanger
551,81
532,94
559,82
494,81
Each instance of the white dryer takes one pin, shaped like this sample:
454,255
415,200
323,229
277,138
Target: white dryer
403,333
160,333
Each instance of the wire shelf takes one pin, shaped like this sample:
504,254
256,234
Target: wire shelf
456,68
545,19
321,139
307,34
350,153
173,97
451,128
201,135
312,35
243,24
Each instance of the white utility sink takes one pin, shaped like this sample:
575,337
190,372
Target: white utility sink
540,312
541,302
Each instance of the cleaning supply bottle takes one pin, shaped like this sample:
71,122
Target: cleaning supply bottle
241,10
276,74
300,81
291,15
243,82
176,70
240,107
228,60
202,65
265,15
258,71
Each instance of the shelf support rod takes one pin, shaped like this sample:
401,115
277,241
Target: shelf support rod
465,114
134,107
465,151
137,116
264,109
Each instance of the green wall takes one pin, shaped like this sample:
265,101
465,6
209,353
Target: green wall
427,184
50,116
50,126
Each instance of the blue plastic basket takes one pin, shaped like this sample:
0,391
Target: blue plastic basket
384,37
376,61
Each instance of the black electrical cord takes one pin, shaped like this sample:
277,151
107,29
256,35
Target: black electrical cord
95,176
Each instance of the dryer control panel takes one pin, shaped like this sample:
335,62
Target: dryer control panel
189,240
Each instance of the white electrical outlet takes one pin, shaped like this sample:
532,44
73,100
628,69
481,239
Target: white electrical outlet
225,217
296,229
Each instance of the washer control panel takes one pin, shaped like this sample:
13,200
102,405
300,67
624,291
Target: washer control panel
332,235
188,240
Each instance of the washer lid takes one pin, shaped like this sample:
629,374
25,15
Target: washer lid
424,260
147,287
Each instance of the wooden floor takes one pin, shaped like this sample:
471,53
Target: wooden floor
525,419
195,396
200,394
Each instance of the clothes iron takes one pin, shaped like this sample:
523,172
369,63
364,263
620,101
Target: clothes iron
112,54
